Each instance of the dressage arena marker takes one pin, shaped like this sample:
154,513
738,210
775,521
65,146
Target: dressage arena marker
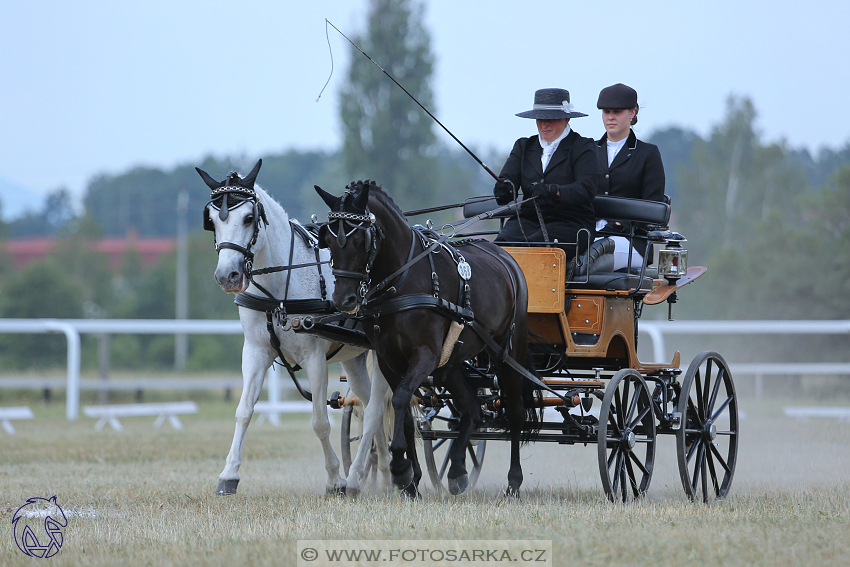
169,410
10,413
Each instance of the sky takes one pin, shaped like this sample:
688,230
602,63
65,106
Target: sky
96,87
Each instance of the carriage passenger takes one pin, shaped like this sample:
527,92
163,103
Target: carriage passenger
630,167
559,167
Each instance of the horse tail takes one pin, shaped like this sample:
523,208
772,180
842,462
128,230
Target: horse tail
533,414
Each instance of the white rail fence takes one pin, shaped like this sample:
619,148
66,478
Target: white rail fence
655,330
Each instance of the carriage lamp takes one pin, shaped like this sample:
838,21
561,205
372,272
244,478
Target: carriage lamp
673,260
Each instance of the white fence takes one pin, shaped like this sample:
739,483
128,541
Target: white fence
655,330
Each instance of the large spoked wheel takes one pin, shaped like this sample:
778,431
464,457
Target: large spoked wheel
626,437
351,431
437,451
707,441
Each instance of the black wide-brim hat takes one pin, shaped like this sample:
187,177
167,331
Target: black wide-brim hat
551,104
617,97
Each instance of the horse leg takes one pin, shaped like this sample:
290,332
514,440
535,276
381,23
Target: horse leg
316,367
255,361
515,411
421,363
466,402
411,491
371,396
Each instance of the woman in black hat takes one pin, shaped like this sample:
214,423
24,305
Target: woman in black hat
557,166
630,168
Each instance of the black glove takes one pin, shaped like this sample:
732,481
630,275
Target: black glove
545,193
504,191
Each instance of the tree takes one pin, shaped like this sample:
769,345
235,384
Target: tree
386,136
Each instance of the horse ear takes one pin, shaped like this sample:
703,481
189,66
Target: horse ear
211,183
362,198
248,181
329,199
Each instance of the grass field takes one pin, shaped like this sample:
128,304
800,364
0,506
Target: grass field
145,497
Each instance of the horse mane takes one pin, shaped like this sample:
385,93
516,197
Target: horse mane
380,195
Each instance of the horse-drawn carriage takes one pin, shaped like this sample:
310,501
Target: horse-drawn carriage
491,343
583,332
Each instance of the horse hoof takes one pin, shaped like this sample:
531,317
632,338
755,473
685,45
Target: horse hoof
512,495
336,490
411,492
458,485
351,491
403,480
227,487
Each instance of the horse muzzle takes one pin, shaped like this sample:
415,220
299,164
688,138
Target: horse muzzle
232,282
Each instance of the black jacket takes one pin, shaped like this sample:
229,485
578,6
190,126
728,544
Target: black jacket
636,172
573,167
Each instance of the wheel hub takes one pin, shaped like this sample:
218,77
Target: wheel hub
709,430
629,441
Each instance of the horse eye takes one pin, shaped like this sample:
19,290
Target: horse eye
249,219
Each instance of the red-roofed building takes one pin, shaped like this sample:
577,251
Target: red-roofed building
27,250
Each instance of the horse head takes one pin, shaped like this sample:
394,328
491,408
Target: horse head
354,239
234,213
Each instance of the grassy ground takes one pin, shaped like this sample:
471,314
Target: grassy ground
145,497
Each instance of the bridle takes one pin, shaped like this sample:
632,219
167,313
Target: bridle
373,236
241,195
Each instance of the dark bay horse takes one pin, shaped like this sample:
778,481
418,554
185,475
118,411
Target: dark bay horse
409,300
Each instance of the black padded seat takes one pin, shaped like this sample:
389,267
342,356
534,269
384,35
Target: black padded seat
611,281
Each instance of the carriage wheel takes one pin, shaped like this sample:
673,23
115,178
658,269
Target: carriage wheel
351,431
437,451
707,441
626,437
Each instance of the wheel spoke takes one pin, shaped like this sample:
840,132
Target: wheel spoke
616,474
632,480
691,449
473,457
633,403
621,409
716,389
711,470
704,477
720,459
616,411
438,444
640,465
722,407
706,385
639,418
615,452
700,413
624,489
697,467
612,420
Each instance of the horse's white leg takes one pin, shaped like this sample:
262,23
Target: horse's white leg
255,361
367,392
383,417
316,366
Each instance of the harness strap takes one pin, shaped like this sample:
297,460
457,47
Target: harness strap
300,306
502,354
416,301
275,342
